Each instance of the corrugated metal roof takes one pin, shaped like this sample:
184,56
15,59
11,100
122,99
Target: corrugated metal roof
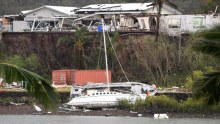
116,7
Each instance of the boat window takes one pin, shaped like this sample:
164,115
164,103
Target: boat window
103,93
107,93
76,89
93,94
114,92
100,93
97,94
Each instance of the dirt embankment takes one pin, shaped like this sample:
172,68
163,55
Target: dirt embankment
30,110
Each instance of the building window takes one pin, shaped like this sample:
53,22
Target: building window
174,23
199,22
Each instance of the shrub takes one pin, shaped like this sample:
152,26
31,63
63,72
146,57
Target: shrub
6,101
192,105
26,100
139,105
161,103
124,104
216,108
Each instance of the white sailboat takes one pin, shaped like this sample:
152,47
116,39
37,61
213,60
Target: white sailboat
98,96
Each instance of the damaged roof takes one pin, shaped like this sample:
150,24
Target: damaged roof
117,7
124,7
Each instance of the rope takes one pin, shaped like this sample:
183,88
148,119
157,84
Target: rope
117,57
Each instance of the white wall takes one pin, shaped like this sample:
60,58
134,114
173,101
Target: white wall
44,13
19,26
188,23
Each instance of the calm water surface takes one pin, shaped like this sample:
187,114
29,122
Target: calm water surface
37,119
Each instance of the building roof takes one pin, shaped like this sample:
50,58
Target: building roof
116,7
62,9
25,11
120,8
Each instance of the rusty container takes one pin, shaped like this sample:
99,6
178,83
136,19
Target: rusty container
61,77
79,77
82,77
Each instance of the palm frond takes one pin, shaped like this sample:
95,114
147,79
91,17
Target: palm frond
209,88
35,84
68,40
208,46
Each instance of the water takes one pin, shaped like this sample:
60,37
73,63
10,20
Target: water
58,119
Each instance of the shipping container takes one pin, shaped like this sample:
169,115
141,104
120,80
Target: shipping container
79,77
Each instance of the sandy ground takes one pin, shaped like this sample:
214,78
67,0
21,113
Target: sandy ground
29,110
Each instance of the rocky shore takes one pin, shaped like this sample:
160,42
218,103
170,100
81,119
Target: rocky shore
30,110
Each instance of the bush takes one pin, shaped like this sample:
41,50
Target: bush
192,105
161,103
6,101
124,104
26,100
216,108
158,104
139,105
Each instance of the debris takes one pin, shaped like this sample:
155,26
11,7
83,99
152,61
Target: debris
139,115
38,109
12,103
107,115
161,116
133,112
86,110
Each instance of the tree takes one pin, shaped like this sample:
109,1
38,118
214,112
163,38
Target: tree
78,44
209,85
39,87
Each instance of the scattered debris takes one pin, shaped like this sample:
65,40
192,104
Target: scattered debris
133,112
72,109
107,115
12,103
161,116
86,110
38,109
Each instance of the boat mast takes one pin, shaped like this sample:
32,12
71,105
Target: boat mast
106,57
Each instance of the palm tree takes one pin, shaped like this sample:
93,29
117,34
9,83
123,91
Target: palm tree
78,43
209,86
39,87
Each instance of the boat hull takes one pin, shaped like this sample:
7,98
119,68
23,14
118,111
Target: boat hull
101,101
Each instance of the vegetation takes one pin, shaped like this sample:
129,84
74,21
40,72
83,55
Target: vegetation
78,45
209,86
165,104
39,87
